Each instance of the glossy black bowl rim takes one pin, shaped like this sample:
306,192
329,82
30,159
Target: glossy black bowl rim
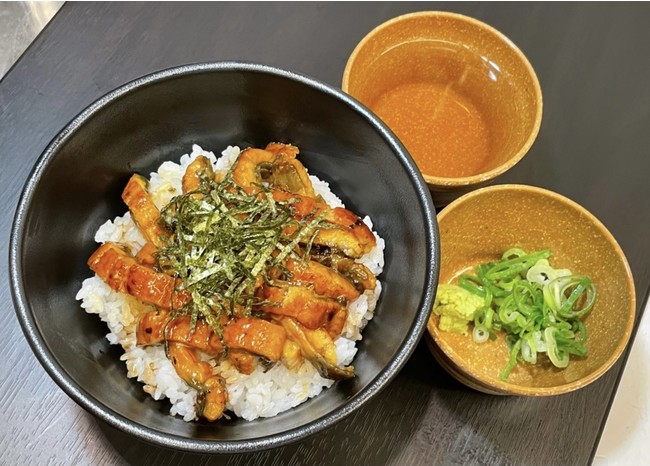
72,389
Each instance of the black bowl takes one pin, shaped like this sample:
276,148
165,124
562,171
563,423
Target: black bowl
76,185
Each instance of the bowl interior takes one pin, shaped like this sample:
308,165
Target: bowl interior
479,227
78,188
477,70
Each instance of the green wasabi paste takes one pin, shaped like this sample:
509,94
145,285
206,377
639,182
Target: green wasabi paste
456,308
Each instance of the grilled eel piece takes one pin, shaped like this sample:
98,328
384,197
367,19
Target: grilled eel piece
212,394
287,341
299,302
144,212
257,336
200,167
123,273
146,215
318,347
277,167
324,280
348,233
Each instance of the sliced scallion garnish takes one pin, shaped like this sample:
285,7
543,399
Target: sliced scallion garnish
538,307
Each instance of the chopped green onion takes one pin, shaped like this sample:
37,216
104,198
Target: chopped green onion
537,306
542,273
558,358
512,362
480,334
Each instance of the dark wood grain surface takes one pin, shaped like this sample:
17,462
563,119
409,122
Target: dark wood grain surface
594,147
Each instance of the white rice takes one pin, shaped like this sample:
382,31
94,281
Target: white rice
260,394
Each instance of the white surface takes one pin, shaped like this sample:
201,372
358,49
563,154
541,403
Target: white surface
627,431
20,23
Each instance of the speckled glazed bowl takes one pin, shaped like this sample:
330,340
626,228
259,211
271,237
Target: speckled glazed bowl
471,60
76,186
478,228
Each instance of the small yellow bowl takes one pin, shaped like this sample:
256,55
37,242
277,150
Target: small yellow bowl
460,95
478,228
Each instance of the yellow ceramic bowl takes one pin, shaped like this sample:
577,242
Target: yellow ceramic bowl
460,95
479,227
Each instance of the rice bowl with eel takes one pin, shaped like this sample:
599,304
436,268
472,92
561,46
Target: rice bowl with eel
260,384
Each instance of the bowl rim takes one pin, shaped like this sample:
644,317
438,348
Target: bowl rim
494,385
94,406
445,183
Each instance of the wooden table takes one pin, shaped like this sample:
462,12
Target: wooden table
594,144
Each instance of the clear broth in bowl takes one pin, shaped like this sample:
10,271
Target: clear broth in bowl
443,130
